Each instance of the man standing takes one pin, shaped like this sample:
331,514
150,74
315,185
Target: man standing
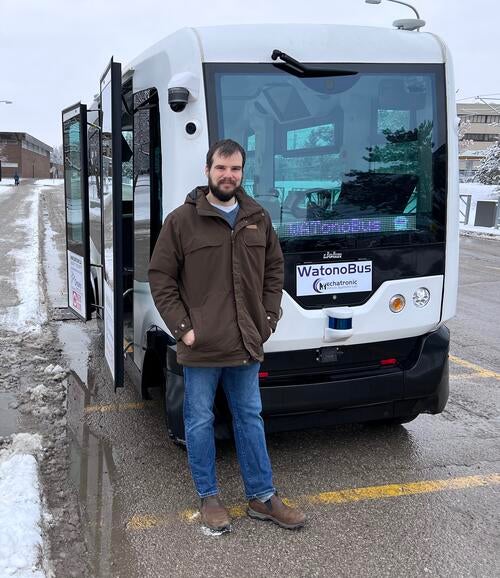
216,276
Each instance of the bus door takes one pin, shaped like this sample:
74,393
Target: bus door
127,163
95,190
111,183
147,202
74,122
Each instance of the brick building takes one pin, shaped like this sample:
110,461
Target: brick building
22,153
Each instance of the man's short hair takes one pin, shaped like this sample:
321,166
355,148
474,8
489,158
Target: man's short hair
225,148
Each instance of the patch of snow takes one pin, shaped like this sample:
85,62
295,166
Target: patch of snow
29,315
478,192
39,393
21,511
55,272
22,443
209,532
49,182
484,232
6,189
54,369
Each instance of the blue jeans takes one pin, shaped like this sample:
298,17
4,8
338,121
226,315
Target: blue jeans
241,385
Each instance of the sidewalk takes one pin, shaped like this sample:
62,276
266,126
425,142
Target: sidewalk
39,521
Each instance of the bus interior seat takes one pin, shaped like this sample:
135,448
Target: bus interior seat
271,202
318,206
368,193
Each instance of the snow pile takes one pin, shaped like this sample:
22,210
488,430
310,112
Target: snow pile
49,182
478,192
21,513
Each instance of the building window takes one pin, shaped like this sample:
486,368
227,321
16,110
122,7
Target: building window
481,137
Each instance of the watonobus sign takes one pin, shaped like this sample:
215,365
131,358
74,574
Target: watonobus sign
317,279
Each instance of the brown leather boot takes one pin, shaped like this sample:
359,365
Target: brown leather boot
214,515
276,511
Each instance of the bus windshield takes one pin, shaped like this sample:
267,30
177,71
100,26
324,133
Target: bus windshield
355,159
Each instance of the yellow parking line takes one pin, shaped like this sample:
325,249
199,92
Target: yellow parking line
473,375
137,523
477,368
104,408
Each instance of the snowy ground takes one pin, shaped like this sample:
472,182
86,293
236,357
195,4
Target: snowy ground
21,514
21,510
49,182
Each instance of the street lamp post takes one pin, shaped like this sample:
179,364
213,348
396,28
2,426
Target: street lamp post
3,102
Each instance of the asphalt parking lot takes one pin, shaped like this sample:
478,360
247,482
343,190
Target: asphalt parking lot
414,500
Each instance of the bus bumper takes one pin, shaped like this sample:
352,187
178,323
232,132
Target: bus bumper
420,388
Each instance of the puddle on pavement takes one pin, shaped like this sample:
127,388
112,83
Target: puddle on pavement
8,415
93,473
75,343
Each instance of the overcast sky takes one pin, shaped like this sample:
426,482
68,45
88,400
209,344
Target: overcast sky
53,52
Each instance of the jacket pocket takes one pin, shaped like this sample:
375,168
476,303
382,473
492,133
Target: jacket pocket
264,328
214,324
199,243
254,237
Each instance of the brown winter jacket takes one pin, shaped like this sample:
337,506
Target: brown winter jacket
224,284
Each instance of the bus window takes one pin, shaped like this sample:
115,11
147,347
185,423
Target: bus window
332,150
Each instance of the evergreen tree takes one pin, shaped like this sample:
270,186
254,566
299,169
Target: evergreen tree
488,171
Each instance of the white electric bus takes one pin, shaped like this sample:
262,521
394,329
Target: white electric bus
351,144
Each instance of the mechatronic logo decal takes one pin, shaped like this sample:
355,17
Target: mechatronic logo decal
322,278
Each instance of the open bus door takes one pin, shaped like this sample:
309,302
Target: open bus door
74,122
111,183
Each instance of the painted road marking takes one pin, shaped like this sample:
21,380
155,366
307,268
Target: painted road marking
477,368
125,406
137,523
467,375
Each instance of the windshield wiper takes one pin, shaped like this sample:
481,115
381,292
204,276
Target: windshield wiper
296,68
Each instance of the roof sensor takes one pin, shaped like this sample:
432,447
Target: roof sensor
405,23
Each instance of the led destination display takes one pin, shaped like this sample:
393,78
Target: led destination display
347,226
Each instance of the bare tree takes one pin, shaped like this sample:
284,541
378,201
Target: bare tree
56,155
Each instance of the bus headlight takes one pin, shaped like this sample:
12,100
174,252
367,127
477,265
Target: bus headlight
421,297
397,303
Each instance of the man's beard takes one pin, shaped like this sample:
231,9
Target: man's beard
219,194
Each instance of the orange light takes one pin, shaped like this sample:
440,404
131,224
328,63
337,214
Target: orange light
397,303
